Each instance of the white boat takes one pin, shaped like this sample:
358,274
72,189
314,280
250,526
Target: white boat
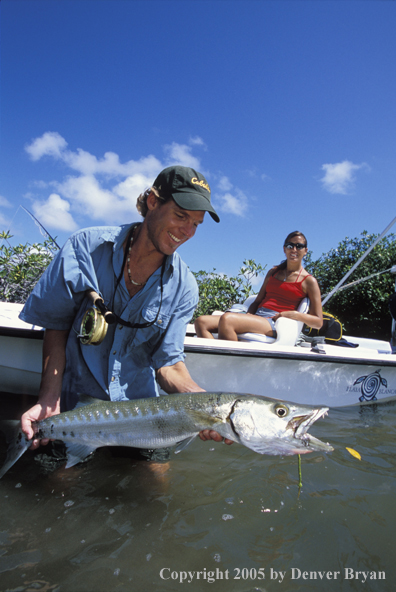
333,376
20,352
321,375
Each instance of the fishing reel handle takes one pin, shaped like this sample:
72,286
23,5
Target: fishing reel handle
100,305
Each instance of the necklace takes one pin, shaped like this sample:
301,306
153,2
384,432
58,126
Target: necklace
291,273
129,260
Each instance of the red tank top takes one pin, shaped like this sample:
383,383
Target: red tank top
282,296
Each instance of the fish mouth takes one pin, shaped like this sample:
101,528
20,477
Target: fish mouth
300,426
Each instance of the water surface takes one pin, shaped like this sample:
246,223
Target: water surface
232,518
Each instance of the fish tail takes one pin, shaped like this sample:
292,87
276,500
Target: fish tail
16,443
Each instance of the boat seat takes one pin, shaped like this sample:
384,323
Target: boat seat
287,330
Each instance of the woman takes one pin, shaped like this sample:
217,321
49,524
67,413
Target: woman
284,287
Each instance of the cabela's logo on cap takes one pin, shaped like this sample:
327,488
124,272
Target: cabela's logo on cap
202,183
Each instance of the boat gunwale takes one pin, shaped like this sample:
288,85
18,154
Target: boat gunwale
239,350
288,355
21,332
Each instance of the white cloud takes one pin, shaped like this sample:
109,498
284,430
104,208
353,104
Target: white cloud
112,206
54,213
224,184
110,165
233,200
257,281
89,198
132,187
256,175
339,177
197,141
4,203
232,203
181,154
105,189
4,222
50,144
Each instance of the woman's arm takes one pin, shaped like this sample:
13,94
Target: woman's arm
260,296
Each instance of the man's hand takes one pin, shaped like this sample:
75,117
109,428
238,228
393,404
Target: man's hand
212,435
54,360
177,379
37,413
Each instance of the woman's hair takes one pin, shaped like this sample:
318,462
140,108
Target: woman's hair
283,264
141,203
293,234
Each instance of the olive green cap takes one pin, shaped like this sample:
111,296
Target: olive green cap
187,187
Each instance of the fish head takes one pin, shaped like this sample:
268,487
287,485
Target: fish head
268,426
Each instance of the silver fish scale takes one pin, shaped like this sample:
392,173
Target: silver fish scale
262,424
153,422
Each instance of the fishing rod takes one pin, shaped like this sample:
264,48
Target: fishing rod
346,276
41,227
368,277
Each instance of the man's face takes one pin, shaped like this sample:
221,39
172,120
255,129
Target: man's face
169,225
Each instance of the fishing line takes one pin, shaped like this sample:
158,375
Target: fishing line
299,472
356,282
346,276
12,220
244,452
41,227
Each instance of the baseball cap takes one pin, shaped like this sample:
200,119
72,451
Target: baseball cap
187,187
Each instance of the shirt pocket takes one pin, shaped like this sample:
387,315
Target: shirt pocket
144,341
160,320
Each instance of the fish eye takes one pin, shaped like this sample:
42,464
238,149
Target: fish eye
281,410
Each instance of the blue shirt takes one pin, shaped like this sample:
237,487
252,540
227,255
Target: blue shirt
123,365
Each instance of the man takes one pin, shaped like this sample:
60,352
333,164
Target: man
142,280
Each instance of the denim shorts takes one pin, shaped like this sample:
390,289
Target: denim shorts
268,314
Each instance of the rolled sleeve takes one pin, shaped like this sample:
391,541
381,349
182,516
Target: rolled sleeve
58,295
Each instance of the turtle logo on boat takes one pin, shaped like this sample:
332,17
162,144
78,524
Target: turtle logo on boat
370,385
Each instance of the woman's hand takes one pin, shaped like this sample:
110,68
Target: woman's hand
287,314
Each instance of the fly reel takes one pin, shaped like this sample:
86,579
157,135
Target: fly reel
94,323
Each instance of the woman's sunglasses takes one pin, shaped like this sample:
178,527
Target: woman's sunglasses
298,246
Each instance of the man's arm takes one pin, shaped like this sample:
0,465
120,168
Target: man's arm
177,379
54,361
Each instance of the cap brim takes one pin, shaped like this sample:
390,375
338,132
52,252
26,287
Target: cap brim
194,202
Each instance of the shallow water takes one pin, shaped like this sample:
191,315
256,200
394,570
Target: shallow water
232,518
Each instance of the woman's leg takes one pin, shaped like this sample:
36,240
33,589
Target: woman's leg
231,324
206,325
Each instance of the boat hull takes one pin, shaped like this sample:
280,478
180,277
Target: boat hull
21,347
326,379
337,377
20,364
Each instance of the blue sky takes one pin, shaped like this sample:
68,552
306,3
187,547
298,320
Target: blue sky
288,108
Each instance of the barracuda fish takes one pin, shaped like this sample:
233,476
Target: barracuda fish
264,425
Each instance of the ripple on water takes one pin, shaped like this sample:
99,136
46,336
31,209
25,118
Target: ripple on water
113,523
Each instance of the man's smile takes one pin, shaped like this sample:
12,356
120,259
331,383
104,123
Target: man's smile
173,237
